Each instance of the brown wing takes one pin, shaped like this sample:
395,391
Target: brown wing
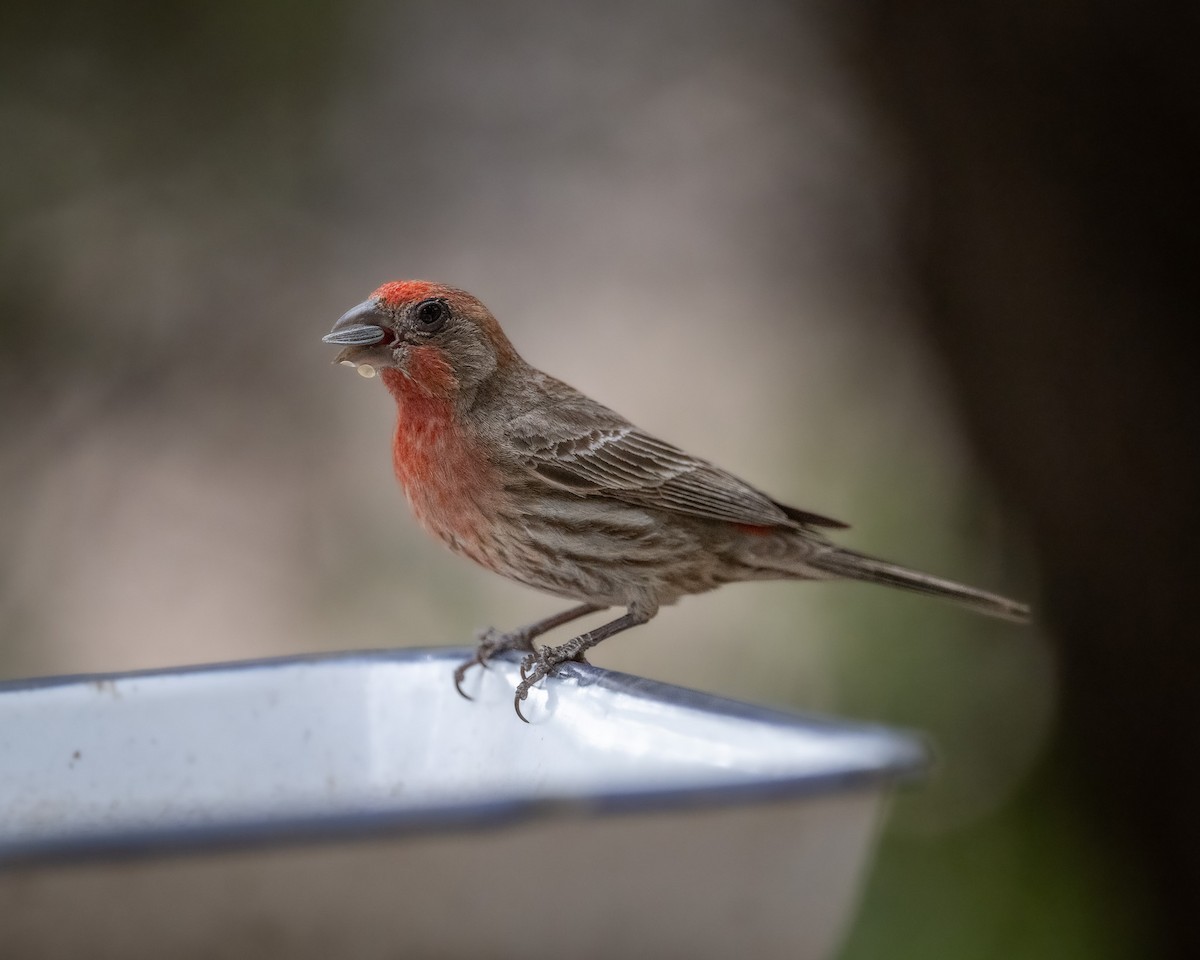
584,447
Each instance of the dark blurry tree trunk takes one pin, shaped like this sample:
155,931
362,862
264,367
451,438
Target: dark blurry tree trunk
1053,240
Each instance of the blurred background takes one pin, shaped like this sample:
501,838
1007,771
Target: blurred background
914,267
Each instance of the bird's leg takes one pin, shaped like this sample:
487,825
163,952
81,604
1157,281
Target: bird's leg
492,643
540,663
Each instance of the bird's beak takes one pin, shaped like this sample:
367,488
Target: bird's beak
356,329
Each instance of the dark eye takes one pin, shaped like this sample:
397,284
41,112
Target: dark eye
431,315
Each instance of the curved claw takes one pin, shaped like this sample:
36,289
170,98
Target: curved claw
489,643
533,669
460,674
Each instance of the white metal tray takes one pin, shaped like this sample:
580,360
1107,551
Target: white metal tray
379,745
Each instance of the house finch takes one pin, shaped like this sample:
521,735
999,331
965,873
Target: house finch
531,479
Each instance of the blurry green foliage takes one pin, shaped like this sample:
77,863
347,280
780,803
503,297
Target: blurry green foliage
1024,882
137,96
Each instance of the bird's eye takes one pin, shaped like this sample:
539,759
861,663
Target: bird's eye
431,315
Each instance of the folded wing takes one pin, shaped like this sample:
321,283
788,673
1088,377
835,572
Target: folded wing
584,447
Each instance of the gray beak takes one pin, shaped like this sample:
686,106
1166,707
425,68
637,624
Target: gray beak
356,331
355,335
359,327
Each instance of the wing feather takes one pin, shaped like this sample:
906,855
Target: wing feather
577,444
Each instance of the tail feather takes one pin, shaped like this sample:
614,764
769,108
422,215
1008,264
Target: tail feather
857,566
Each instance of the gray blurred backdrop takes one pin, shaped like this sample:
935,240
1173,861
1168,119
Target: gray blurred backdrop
686,209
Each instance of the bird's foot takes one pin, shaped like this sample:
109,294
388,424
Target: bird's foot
489,642
539,665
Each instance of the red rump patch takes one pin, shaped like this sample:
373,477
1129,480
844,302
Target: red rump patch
404,291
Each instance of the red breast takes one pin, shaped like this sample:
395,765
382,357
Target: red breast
448,482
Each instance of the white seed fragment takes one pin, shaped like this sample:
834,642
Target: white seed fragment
366,370
348,363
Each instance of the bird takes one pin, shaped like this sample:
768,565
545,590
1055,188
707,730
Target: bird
536,481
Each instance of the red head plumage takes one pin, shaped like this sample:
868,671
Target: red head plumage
398,292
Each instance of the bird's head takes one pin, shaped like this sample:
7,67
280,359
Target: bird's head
442,341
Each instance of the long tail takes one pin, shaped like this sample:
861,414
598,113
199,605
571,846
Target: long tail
857,566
